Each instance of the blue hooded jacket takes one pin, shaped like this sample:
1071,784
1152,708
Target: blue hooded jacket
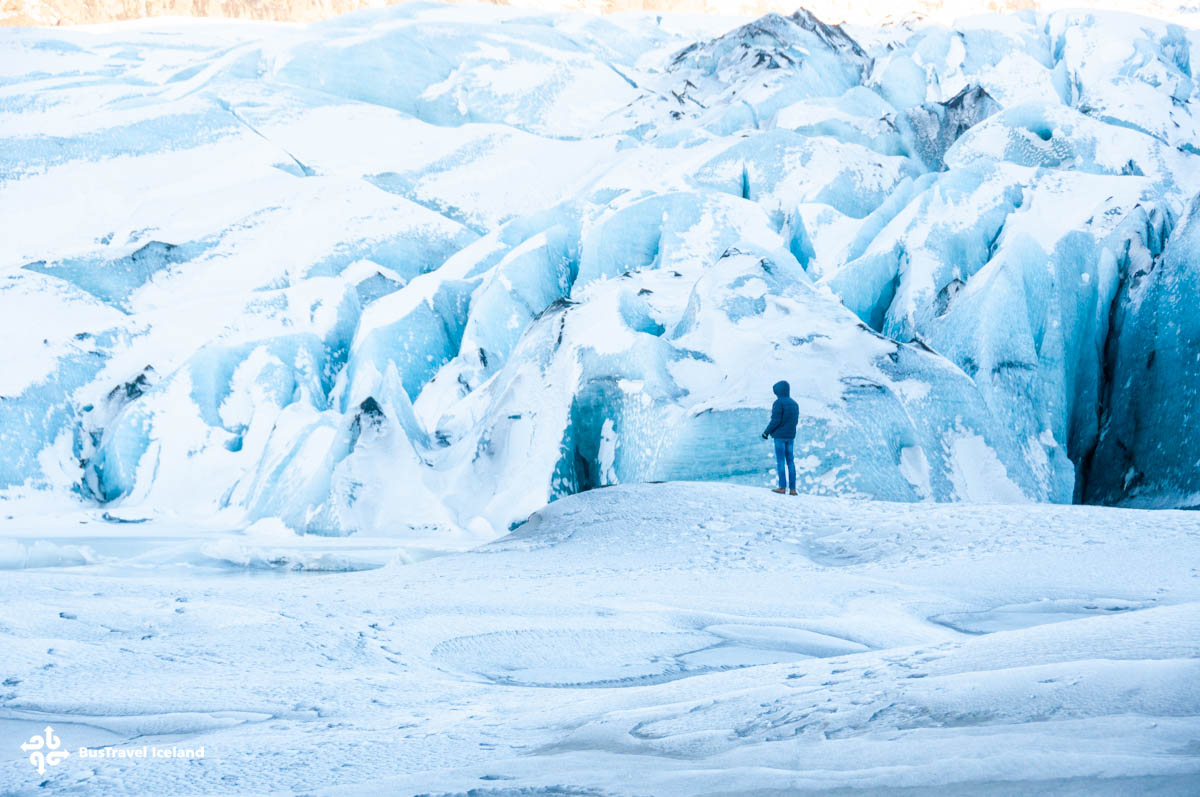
785,412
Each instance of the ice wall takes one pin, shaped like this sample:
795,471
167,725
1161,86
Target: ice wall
415,268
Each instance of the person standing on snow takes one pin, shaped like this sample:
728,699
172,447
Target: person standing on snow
785,412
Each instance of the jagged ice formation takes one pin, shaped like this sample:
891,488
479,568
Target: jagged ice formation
429,266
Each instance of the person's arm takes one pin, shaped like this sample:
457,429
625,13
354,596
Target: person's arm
776,419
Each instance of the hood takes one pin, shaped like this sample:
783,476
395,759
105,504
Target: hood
782,389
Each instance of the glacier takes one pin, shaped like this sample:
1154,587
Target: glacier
419,271
381,404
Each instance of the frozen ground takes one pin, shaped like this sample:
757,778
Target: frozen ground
681,638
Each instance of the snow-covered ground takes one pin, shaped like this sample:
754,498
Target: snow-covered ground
680,638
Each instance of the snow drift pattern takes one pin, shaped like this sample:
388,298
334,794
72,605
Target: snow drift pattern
418,267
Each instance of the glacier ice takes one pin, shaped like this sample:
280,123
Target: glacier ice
412,269
1146,454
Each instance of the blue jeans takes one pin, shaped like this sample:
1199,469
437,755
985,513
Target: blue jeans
783,454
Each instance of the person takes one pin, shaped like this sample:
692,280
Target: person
785,412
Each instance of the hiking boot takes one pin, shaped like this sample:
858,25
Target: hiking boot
793,492
779,490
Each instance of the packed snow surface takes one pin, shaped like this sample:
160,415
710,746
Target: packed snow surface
418,271
682,638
